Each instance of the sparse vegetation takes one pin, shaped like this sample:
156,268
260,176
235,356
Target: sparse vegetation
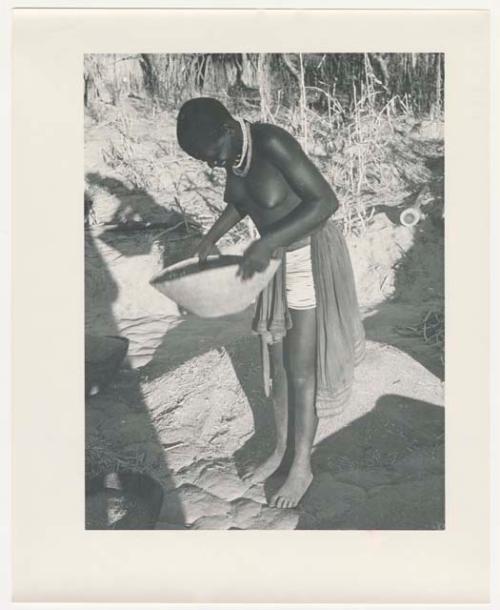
373,123
354,113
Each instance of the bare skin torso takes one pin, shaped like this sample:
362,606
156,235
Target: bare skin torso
264,193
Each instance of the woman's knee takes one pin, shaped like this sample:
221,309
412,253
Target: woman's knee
301,380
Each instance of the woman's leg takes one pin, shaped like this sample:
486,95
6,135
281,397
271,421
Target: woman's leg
300,364
280,410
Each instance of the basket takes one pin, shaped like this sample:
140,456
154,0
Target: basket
212,288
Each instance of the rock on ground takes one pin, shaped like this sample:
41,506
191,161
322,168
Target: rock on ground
199,425
188,409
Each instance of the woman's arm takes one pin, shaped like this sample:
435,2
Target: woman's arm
318,201
226,221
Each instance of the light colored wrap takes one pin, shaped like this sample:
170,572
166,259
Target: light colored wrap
340,332
300,292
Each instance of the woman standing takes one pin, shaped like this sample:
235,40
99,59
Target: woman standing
308,316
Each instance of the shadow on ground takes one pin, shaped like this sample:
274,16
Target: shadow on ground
120,436
419,282
384,471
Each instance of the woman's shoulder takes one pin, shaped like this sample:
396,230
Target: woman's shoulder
267,135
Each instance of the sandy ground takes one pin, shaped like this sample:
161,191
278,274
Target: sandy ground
188,406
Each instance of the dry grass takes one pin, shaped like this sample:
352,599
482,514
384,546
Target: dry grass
102,457
370,158
353,113
143,153
430,328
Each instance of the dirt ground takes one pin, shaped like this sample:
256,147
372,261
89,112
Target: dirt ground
188,406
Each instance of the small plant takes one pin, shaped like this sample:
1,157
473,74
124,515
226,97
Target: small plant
431,328
101,457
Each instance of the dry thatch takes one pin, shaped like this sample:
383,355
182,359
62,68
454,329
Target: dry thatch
328,83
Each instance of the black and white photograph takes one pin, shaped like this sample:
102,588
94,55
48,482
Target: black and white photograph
264,291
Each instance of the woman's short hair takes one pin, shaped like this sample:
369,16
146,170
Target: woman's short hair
200,121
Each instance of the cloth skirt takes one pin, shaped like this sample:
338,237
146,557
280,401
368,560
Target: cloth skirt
340,340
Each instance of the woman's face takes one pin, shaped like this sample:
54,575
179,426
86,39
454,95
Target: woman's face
219,153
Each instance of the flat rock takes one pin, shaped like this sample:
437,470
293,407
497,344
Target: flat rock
249,515
223,482
179,456
256,493
245,512
276,519
188,503
214,522
201,403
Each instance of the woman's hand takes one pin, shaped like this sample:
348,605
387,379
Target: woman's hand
255,258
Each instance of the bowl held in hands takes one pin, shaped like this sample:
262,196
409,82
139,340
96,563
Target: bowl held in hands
212,288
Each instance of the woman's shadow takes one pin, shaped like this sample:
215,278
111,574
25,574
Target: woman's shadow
120,398
384,471
190,338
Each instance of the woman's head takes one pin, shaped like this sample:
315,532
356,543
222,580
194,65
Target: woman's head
205,130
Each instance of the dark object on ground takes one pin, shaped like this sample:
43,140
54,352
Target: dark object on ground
103,358
122,501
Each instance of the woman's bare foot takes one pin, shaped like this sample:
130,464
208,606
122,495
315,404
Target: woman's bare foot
266,469
294,488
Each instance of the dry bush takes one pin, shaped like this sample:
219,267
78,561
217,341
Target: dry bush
101,457
370,159
430,328
143,153
343,108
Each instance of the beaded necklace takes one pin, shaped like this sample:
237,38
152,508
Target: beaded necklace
244,159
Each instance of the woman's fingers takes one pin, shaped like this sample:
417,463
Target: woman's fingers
256,256
250,266
255,259
244,272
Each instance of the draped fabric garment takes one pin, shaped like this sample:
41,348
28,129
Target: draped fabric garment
340,332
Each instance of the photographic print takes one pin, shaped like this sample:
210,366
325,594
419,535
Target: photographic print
264,291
